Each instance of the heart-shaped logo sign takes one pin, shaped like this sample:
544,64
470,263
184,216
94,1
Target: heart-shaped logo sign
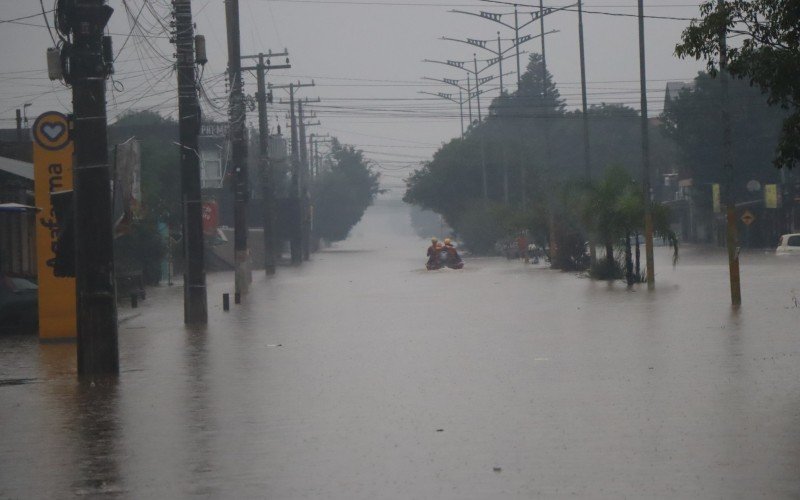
53,130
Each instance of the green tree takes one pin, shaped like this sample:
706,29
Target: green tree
767,54
529,139
692,121
342,192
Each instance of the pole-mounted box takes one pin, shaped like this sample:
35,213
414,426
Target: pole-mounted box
200,50
54,70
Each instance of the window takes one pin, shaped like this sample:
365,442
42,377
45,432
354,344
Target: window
794,241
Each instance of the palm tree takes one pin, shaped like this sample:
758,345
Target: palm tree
613,209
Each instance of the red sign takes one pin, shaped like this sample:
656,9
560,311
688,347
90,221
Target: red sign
210,217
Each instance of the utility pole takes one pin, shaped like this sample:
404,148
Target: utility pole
296,193
195,307
296,241
541,29
305,179
461,110
477,94
91,60
732,238
500,62
268,188
304,236
648,213
19,125
586,151
319,138
305,226
239,150
469,101
516,39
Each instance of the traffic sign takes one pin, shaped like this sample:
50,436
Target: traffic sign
748,217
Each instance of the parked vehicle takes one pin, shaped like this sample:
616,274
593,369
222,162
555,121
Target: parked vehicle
789,245
19,305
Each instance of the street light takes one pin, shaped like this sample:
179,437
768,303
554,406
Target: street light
462,65
499,53
498,18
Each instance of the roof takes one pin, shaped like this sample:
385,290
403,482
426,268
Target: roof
674,88
16,167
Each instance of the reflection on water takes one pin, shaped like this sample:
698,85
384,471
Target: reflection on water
360,375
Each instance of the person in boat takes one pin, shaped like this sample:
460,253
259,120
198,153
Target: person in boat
433,254
454,260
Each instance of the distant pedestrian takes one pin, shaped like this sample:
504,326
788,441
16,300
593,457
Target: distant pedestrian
522,247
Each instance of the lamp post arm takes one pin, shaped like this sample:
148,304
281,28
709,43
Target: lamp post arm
485,15
481,44
448,81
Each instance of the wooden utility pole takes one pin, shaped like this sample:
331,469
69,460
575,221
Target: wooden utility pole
732,237
648,213
91,62
195,303
238,150
268,188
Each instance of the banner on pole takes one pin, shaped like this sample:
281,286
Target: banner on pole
716,198
770,196
52,171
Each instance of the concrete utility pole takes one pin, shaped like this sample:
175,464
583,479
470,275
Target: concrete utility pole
268,187
239,150
305,193
586,148
91,60
319,139
19,125
195,306
478,94
296,243
648,213
469,101
296,193
732,238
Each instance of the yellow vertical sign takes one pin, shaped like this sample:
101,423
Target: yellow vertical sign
52,171
715,198
771,196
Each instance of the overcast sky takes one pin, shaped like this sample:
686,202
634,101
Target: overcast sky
365,57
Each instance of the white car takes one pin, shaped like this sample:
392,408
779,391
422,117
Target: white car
789,245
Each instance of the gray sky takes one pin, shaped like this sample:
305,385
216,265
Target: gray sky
365,57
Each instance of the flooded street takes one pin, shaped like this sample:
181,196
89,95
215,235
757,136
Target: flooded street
362,376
